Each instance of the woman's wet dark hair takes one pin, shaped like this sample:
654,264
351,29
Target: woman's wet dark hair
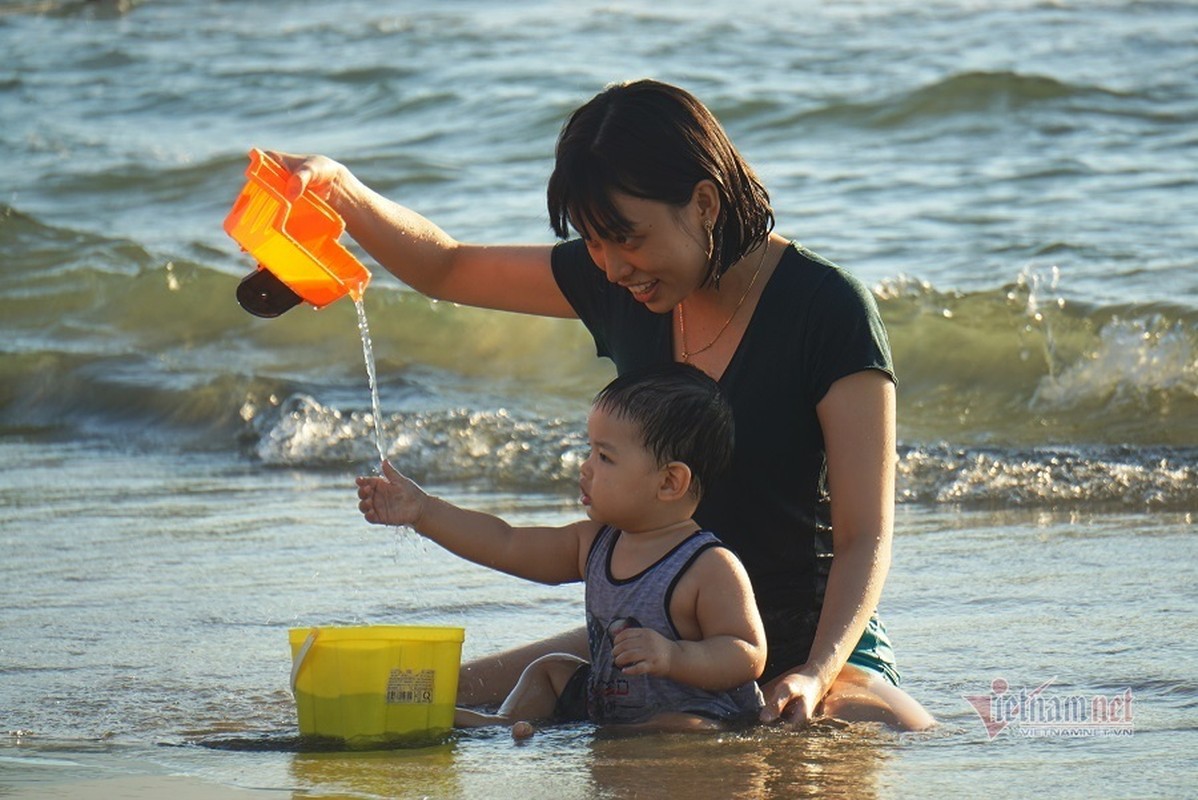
654,141
682,415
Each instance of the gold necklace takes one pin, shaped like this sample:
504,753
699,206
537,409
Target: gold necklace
686,354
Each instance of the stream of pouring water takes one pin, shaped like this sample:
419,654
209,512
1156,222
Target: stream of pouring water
368,354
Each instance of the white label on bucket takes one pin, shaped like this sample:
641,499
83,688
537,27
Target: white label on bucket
410,686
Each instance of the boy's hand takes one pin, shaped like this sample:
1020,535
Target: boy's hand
641,651
391,499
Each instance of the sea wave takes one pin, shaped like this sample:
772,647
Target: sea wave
975,95
1025,365
974,92
105,336
519,450
1083,478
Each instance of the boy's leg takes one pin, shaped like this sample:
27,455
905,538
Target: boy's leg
469,718
534,696
540,685
487,681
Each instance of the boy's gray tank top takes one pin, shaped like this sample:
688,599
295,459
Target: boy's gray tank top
644,601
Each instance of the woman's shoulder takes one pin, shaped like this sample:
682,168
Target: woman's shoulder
579,279
569,255
810,268
801,251
807,280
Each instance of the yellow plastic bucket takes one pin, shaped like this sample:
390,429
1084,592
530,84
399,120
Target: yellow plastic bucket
377,684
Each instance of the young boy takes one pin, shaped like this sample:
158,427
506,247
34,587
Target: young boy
675,638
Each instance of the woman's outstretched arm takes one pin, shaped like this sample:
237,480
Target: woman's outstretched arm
425,257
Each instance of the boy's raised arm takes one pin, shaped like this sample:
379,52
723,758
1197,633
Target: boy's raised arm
542,554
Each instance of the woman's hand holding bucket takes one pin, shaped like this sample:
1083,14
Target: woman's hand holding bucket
318,174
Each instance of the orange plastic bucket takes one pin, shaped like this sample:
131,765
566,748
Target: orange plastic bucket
293,240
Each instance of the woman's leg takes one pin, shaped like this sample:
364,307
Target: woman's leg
489,680
861,695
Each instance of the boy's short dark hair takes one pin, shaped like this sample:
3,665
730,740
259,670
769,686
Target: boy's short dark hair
682,415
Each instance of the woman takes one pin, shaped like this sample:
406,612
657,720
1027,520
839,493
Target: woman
677,261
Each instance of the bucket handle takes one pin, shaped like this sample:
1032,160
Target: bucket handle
298,662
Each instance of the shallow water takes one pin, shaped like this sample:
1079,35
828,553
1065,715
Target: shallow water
1014,178
152,627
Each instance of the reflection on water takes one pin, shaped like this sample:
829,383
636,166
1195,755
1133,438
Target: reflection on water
423,772
821,761
579,761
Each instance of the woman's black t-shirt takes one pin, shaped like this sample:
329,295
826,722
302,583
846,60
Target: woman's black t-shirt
814,324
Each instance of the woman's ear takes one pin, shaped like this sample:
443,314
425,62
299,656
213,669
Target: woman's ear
706,199
675,482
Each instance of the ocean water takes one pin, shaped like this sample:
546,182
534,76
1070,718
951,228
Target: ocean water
1014,178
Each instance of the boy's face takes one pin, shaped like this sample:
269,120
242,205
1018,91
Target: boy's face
620,478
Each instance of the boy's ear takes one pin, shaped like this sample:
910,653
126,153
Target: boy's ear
675,481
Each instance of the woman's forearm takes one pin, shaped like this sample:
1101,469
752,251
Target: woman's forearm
854,588
406,244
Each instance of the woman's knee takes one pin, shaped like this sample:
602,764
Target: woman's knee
859,695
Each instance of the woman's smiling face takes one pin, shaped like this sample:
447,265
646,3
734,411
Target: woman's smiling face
662,259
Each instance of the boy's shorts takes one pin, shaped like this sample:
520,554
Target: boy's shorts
571,704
